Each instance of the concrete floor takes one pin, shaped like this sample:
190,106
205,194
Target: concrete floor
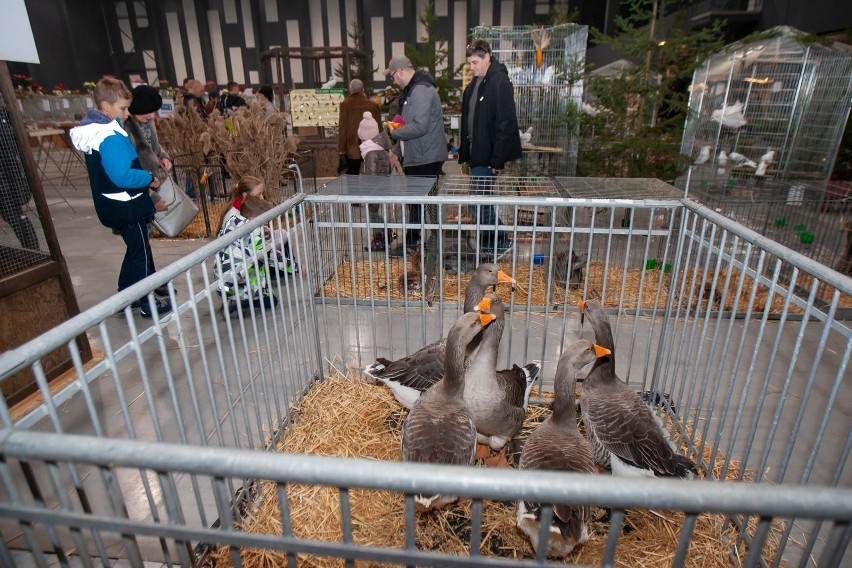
93,256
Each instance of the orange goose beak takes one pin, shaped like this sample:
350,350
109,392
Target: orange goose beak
504,278
483,306
601,351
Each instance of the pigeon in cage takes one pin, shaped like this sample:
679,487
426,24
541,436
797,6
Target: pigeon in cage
740,160
440,428
626,435
722,160
764,162
703,155
460,263
730,116
562,266
411,375
558,445
526,136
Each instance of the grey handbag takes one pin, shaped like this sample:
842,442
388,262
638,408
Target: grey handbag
181,209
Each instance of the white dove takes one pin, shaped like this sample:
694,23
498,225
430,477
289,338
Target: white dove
741,160
330,83
731,116
723,159
526,136
764,162
703,155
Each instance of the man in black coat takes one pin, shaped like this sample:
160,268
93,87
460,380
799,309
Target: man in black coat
489,133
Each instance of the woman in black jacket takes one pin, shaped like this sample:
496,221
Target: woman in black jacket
489,132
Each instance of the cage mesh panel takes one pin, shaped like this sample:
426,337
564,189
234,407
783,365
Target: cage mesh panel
543,94
787,97
22,243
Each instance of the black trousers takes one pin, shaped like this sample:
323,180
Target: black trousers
433,169
137,257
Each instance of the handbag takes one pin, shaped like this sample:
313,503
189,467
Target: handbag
181,209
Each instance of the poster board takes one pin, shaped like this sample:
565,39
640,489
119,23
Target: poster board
315,107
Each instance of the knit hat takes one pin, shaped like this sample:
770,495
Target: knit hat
369,128
145,99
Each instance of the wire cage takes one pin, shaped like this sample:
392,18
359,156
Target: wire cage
765,124
544,65
186,441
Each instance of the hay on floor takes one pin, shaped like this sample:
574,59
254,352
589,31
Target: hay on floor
352,418
632,288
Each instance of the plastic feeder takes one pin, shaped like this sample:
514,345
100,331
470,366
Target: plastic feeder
806,238
780,223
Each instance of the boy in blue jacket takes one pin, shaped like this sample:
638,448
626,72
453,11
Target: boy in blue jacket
119,184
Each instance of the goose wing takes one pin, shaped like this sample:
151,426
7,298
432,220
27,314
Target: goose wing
621,422
418,371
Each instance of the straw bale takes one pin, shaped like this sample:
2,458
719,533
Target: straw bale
345,416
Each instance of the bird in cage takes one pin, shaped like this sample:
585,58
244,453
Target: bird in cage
526,136
626,435
764,162
703,155
558,445
440,428
563,266
411,375
730,116
498,400
740,160
541,41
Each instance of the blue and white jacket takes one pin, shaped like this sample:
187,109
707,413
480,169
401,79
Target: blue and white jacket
119,184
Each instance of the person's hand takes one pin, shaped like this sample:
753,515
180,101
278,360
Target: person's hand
495,171
166,164
155,183
393,159
161,206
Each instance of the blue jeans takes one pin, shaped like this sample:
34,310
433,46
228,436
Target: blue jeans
485,186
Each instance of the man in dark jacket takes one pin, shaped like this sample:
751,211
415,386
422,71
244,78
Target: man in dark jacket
351,112
489,132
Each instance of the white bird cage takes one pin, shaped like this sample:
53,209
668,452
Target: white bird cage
765,124
545,87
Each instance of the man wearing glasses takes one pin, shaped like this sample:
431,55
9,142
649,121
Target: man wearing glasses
489,134
422,146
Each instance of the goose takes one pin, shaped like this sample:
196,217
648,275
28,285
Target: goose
411,375
625,435
558,445
497,400
440,429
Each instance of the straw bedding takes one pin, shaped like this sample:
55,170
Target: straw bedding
350,417
632,288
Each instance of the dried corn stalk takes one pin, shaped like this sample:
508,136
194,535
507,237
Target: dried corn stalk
181,136
252,144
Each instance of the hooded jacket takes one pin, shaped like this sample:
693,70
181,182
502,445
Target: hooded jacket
119,185
495,139
423,140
